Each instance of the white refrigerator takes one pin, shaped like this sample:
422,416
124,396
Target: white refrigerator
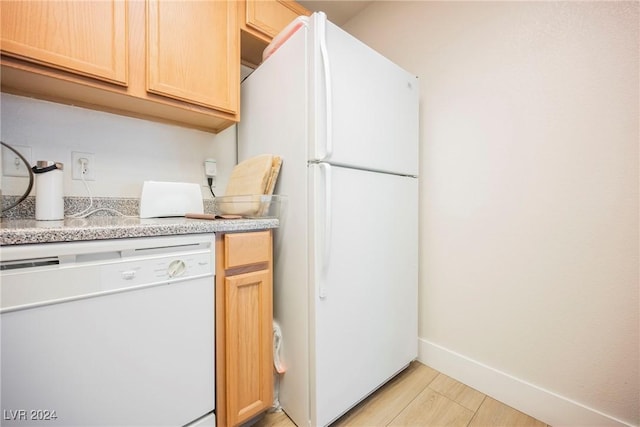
345,121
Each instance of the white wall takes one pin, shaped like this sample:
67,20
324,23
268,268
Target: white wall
127,151
529,197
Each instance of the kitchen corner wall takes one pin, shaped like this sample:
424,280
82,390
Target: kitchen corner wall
127,151
529,197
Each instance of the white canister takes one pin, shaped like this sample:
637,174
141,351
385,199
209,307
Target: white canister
49,190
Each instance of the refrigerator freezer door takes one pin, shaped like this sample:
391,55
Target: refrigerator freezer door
373,106
364,306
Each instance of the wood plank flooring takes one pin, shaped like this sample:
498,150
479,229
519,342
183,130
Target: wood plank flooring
422,397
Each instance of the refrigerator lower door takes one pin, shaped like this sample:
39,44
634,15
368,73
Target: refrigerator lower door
363,317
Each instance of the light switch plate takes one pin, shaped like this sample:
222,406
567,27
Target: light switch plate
12,165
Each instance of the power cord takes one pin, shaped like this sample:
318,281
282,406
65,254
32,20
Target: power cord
83,162
88,212
210,182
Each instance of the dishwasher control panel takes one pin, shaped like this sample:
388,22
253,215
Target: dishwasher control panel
56,274
154,270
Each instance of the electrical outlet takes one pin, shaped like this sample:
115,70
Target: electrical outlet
83,163
210,168
210,171
12,165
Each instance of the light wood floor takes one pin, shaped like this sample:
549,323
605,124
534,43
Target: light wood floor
421,396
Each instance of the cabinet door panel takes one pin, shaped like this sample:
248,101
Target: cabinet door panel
83,37
270,17
249,354
193,52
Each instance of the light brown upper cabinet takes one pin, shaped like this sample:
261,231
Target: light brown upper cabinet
173,61
189,57
87,38
266,18
261,21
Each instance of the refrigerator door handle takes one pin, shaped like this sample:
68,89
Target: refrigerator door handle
328,147
326,234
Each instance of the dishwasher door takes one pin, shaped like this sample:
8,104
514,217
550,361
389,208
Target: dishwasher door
114,334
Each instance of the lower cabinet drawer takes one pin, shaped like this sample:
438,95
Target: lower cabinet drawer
242,249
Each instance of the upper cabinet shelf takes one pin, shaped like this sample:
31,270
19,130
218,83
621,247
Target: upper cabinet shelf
175,62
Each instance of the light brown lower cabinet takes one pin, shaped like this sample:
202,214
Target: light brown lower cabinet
244,331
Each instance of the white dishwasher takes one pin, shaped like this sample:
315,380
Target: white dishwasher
111,333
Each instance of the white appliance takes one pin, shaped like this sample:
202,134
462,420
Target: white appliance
110,333
164,199
345,121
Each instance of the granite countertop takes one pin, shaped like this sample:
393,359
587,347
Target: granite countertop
26,231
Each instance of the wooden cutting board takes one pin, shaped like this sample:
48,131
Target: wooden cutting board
250,176
271,183
253,177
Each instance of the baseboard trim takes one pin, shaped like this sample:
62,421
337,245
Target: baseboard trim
542,404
